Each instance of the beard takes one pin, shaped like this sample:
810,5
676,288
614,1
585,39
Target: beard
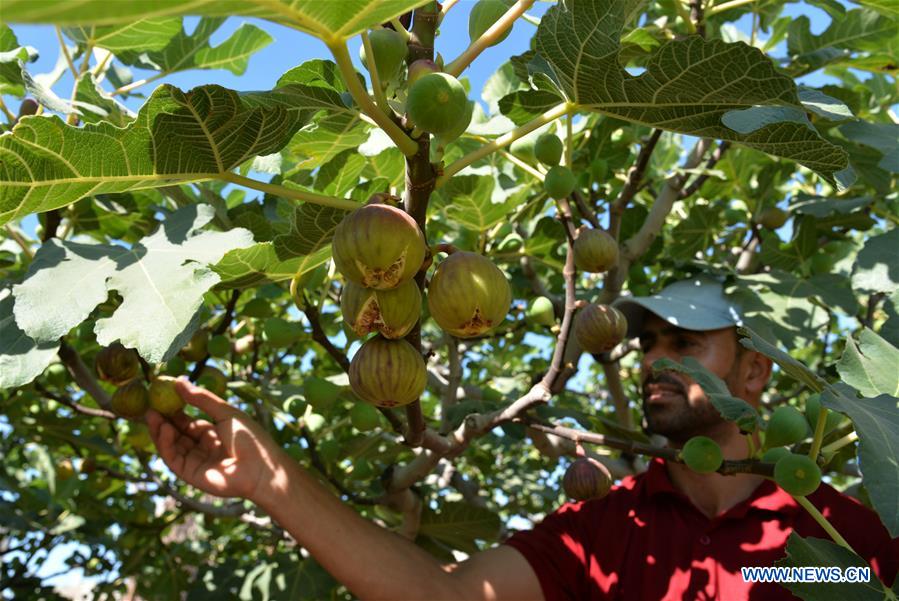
675,418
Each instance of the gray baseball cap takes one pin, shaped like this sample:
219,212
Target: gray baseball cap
697,303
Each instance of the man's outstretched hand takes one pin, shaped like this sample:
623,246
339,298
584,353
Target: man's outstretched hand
232,456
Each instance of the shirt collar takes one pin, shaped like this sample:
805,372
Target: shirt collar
766,497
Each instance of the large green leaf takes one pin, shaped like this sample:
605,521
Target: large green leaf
161,280
95,105
10,54
877,266
473,202
817,553
687,86
877,422
858,29
336,128
696,232
177,137
145,34
193,51
870,365
330,21
21,358
459,525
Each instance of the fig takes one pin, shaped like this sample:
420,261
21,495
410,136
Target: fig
702,454
28,107
320,393
585,479
772,218
548,149
213,380
164,396
812,407
130,400
787,426
797,474
391,312
65,470
773,455
388,373
595,251
540,312
559,182
364,417
420,68
436,102
482,17
117,364
389,49
196,349
468,295
378,246
458,129
523,148
139,437
599,328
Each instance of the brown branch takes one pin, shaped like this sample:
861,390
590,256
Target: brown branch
728,467
697,183
53,218
586,212
318,334
634,177
552,377
871,308
83,376
89,411
619,398
697,16
219,329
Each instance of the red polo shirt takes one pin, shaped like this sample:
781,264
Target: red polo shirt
646,540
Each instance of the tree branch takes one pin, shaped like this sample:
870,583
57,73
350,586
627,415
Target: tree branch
488,38
83,376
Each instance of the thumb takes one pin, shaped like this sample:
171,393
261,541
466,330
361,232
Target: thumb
205,401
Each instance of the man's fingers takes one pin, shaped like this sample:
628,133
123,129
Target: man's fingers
165,444
204,400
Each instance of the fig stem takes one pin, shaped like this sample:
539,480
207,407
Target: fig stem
407,145
504,140
840,443
444,248
399,28
819,434
377,90
569,141
284,192
488,38
822,521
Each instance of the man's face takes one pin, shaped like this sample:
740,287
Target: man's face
674,405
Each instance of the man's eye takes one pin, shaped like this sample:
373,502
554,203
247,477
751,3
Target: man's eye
683,343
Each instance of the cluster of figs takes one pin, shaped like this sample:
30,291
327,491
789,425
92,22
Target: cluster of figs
121,367
379,249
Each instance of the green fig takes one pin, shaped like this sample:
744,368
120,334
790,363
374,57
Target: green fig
131,400
468,295
164,396
702,455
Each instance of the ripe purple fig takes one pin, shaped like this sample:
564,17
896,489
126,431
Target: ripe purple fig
391,312
599,328
388,373
468,295
586,479
378,246
595,251
117,364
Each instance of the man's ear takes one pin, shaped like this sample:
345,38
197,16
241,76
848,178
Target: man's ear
757,368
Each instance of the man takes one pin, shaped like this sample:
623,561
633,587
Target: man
669,533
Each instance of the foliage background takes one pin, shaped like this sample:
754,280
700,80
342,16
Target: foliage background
825,284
